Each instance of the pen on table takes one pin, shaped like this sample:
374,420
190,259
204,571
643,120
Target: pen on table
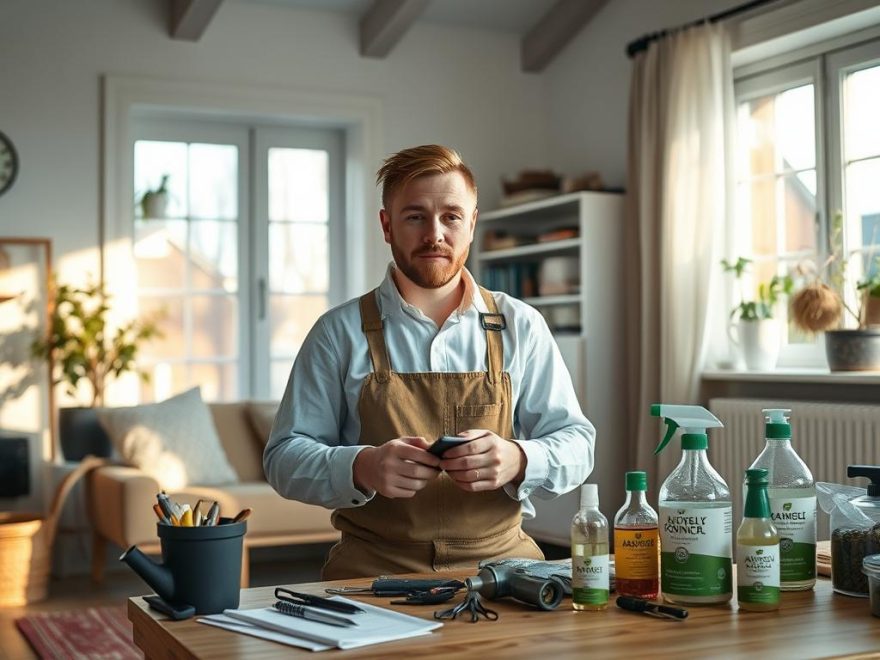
160,515
303,612
316,601
213,514
197,514
651,608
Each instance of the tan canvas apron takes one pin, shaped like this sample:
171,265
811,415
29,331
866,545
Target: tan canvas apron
442,527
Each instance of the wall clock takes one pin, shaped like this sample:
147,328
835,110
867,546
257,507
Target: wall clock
8,163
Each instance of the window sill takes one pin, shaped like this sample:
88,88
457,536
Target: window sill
789,375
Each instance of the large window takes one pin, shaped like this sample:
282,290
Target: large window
808,172
245,256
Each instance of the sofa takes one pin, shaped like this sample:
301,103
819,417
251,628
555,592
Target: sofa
121,497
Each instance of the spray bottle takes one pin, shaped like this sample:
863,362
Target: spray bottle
792,493
696,516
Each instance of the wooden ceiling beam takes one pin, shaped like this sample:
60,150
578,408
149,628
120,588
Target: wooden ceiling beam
553,32
190,18
384,25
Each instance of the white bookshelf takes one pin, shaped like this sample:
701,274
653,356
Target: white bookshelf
594,349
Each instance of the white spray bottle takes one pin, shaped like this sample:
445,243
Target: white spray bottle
696,516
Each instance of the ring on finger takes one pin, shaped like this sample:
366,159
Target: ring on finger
476,475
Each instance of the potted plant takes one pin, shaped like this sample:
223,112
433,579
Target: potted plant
154,203
758,333
819,306
83,348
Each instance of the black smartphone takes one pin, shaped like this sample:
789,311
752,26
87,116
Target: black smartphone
175,611
446,442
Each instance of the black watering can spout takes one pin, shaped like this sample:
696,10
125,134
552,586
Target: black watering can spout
156,575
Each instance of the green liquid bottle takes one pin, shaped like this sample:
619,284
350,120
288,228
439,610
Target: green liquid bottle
589,553
757,549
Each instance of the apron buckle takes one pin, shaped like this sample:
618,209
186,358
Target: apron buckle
491,321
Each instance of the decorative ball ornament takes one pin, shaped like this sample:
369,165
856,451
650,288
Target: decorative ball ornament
8,163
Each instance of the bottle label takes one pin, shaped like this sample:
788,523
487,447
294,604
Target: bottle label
635,553
696,551
589,580
795,520
757,573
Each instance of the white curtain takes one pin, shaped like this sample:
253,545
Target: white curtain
679,194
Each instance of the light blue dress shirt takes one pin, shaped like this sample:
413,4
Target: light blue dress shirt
314,440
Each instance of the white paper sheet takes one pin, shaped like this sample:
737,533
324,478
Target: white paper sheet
228,623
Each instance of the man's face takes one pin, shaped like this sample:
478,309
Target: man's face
430,226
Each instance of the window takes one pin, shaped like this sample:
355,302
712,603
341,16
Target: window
244,258
808,149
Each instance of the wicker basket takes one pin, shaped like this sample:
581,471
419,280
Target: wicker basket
26,541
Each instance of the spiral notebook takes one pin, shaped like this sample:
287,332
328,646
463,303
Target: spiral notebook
374,626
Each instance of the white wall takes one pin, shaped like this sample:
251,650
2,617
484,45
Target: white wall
457,87
588,84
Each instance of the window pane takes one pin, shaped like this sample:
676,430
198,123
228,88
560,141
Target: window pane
152,160
214,326
219,382
799,195
160,253
171,345
298,258
863,202
862,113
779,132
298,185
214,254
279,373
291,318
757,205
213,189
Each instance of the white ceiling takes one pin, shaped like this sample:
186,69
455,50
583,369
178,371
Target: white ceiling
516,16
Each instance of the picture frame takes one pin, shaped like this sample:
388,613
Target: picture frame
27,400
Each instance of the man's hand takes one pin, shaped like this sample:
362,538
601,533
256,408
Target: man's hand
398,468
486,462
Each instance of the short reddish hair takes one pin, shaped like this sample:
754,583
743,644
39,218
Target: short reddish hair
408,164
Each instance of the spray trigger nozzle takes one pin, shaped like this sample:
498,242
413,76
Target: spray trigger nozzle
671,428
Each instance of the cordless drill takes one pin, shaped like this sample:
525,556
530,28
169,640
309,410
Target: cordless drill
500,580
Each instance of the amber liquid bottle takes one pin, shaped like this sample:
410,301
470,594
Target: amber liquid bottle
636,543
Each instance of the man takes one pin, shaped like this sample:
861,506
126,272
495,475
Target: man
428,354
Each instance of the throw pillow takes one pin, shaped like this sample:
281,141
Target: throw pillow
173,441
262,415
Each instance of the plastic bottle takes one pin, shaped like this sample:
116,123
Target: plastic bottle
589,553
792,494
757,549
636,542
696,517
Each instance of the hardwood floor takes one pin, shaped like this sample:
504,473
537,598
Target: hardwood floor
304,565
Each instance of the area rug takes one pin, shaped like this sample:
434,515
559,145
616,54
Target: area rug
96,633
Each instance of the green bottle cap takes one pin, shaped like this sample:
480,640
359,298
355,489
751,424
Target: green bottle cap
694,441
636,481
757,477
777,426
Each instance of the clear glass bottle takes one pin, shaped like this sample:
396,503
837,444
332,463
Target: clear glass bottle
589,553
636,542
696,526
792,494
757,549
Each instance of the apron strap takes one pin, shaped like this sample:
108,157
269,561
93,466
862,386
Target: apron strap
494,340
371,324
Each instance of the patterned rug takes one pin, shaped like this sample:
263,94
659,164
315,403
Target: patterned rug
96,633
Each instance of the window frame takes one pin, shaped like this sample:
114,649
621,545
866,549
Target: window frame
826,68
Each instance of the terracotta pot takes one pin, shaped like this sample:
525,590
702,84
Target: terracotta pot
853,350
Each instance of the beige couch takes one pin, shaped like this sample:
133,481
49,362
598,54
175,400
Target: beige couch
121,498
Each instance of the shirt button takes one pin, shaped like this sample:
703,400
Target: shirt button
355,502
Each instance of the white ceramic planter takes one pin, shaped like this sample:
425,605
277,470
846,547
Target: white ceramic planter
758,342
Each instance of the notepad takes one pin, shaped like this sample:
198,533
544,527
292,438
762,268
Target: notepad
374,626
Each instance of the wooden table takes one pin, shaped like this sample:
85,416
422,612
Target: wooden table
810,624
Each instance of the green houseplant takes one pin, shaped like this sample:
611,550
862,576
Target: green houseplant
852,334
154,202
83,347
753,328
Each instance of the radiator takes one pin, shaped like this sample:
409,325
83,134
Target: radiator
827,436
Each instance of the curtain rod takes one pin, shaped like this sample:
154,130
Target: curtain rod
640,44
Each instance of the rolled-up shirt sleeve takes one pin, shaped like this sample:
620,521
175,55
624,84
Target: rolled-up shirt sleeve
555,436
307,458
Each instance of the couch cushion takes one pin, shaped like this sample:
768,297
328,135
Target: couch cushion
173,441
236,433
272,514
262,415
